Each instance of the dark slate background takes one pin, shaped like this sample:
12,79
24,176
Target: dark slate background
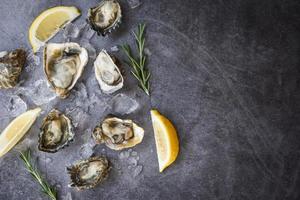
227,73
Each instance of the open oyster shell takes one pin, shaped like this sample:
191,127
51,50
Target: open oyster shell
63,65
118,134
11,65
86,174
56,132
105,17
107,73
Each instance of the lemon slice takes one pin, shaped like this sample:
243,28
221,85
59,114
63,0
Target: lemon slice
17,129
48,23
167,144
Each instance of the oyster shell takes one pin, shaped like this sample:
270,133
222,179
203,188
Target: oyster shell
86,174
11,64
56,132
107,73
63,65
118,134
105,17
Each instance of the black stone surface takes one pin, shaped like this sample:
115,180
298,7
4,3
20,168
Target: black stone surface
227,73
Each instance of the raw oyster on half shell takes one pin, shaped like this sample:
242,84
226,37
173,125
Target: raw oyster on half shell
117,133
88,173
56,132
63,65
105,17
11,65
107,73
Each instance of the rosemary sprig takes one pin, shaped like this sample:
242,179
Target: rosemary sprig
139,70
46,188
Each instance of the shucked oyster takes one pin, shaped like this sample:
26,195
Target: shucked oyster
11,64
105,17
56,132
118,134
86,174
63,65
107,73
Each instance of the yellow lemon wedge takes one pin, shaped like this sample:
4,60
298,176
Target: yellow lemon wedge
166,139
48,23
17,129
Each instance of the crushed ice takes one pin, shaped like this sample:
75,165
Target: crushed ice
71,31
91,50
39,92
11,106
123,104
114,48
131,158
134,3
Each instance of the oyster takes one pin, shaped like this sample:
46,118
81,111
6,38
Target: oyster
107,73
11,64
56,132
86,174
63,65
105,17
118,134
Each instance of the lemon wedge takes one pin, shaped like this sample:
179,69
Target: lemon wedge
167,144
48,23
17,129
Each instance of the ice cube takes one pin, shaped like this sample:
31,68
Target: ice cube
134,3
147,52
86,150
134,153
33,59
137,170
91,50
71,31
86,136
79,117
86,31
124,155
48,160
11,106
123,104
24,144
68,196
114,48
16,106
132,161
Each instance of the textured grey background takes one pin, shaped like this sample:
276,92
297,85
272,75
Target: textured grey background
225,72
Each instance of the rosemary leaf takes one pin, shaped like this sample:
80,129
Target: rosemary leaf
138,63
46,188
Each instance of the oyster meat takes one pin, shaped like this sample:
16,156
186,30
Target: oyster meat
107,73
118,134
56,132
86,174
105,17
11,65
63,65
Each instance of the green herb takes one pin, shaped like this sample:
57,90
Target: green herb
140,72
46,188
